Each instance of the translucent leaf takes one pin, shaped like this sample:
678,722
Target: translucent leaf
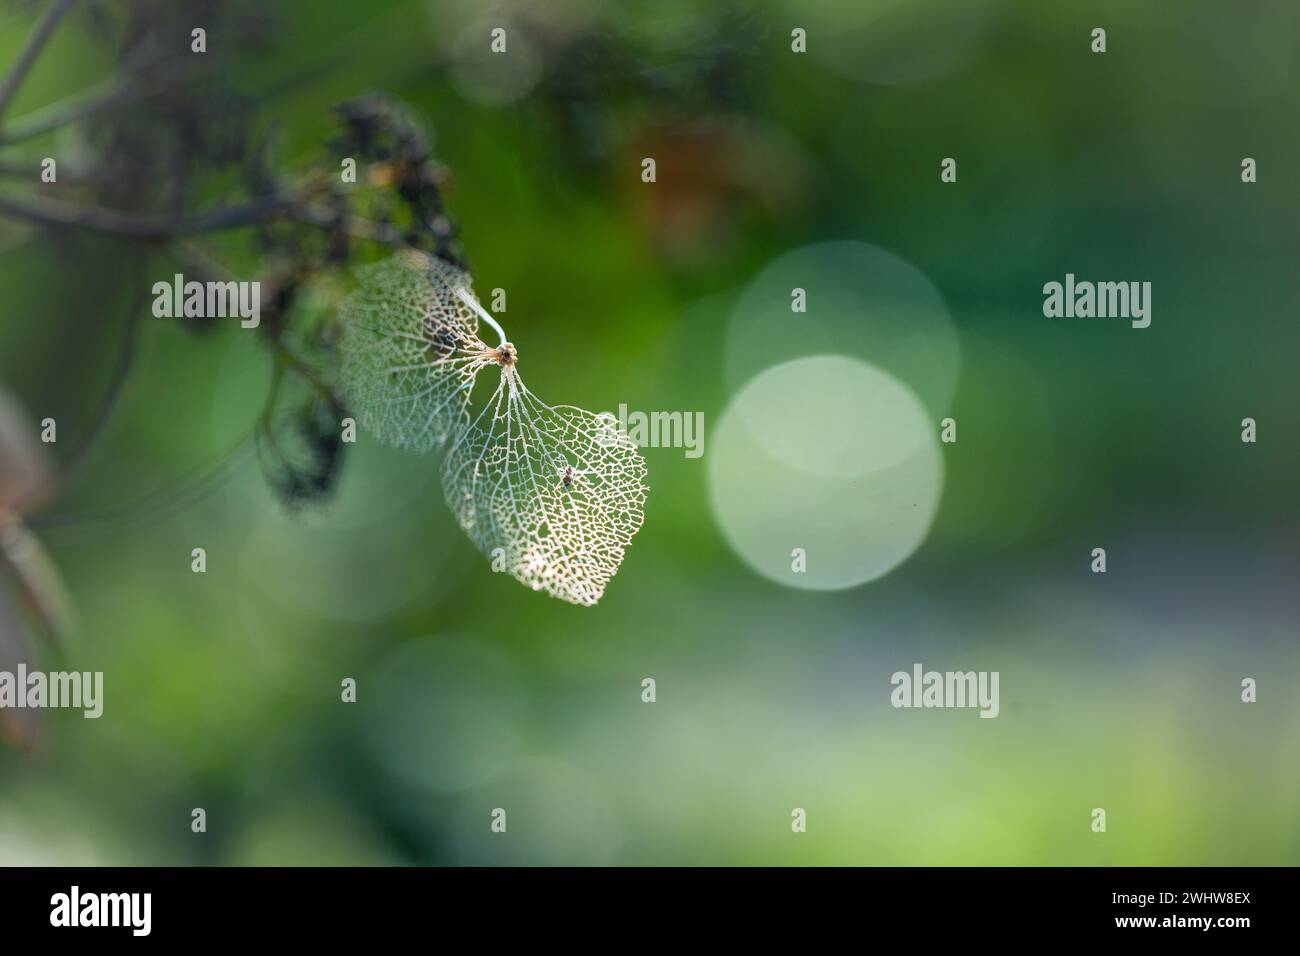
410,350
551,494
558,490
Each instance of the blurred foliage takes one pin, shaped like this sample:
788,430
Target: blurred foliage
222,689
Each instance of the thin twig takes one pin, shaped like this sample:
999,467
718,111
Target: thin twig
117,380
105,96
148,226
30,169
166,501
152,226
199,261
35,43
22,168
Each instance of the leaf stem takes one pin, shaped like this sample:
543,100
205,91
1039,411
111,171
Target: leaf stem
468,298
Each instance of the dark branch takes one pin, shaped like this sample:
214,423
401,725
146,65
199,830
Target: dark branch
149,226
35,43
79,106
155,227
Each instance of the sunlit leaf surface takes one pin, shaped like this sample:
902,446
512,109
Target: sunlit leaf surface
553,495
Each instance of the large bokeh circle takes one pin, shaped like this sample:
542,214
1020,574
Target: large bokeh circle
830,458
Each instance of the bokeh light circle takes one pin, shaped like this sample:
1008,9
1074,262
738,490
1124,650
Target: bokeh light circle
829,455
860,301
491,78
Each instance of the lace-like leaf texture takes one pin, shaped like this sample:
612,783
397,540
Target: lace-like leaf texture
552,494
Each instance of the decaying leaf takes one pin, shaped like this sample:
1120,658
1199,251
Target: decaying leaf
559,490
552,494
410,350
299,446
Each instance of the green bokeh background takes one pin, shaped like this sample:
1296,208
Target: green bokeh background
1118,691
